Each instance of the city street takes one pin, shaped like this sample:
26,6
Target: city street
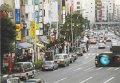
83,70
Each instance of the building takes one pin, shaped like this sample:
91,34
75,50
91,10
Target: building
88,10
104,10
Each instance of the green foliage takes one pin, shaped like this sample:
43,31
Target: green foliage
38,64
76,21
8,35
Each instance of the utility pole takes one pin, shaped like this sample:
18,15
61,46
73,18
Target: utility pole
72,31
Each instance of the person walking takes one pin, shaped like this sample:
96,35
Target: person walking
87,45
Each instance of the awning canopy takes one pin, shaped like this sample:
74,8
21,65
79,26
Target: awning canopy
24,45
40,45
44,39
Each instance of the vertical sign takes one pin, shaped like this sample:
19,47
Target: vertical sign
32,29
17,19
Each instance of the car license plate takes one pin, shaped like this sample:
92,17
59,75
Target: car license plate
46,67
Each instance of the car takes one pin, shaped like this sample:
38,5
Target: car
108,39
92,41
50,65
35,81
107,59
62,59
72,58
101,45
23,70
79,51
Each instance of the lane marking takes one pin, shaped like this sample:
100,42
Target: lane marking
86,79
89,68
77,69
60,80
109,80
116,68
109,69
99,68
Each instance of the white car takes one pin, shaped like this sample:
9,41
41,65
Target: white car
50,65
101,45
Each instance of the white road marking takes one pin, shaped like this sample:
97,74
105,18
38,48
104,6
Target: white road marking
89,68
99,68
109,80
116,68
77,69
86,79
60,80
109,69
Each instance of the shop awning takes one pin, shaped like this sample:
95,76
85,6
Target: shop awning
43,39
40,45
24,45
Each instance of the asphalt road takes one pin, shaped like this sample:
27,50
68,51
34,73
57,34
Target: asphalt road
83,70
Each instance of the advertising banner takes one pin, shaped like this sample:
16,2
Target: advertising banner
18,37
17,4
32,29
17,16
18,28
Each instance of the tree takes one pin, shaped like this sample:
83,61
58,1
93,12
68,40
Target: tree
76,21
8,35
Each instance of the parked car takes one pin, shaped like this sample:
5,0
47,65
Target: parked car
23,70
50,65
34,81
72,59
101,46
79,51
62,59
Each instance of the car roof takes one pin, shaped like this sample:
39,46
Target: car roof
34,79
61,54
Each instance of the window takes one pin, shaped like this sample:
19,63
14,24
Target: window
78,3
78,7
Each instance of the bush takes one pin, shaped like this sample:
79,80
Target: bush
38,64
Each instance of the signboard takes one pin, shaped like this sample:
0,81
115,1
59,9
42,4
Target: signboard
17,4
17,16
32,29
18,28
18,37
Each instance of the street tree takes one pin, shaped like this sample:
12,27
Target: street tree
8,32
76,21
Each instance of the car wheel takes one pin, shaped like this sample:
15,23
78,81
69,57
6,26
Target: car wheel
65,65
26,77
33,75
53,69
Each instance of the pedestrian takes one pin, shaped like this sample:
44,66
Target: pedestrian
87,45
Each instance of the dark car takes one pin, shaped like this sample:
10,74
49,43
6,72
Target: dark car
107,59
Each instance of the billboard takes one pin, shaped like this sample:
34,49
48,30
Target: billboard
32,29
18,28
17,4
18,37
17,16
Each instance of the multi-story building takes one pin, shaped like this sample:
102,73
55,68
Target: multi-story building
98,10
104,10
117,12
88,10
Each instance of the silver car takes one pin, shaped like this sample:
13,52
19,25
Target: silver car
62,59
50,65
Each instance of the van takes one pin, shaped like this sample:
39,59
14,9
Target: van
23,70
62,59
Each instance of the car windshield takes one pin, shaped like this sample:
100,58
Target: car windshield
17,68
59,57
48,63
